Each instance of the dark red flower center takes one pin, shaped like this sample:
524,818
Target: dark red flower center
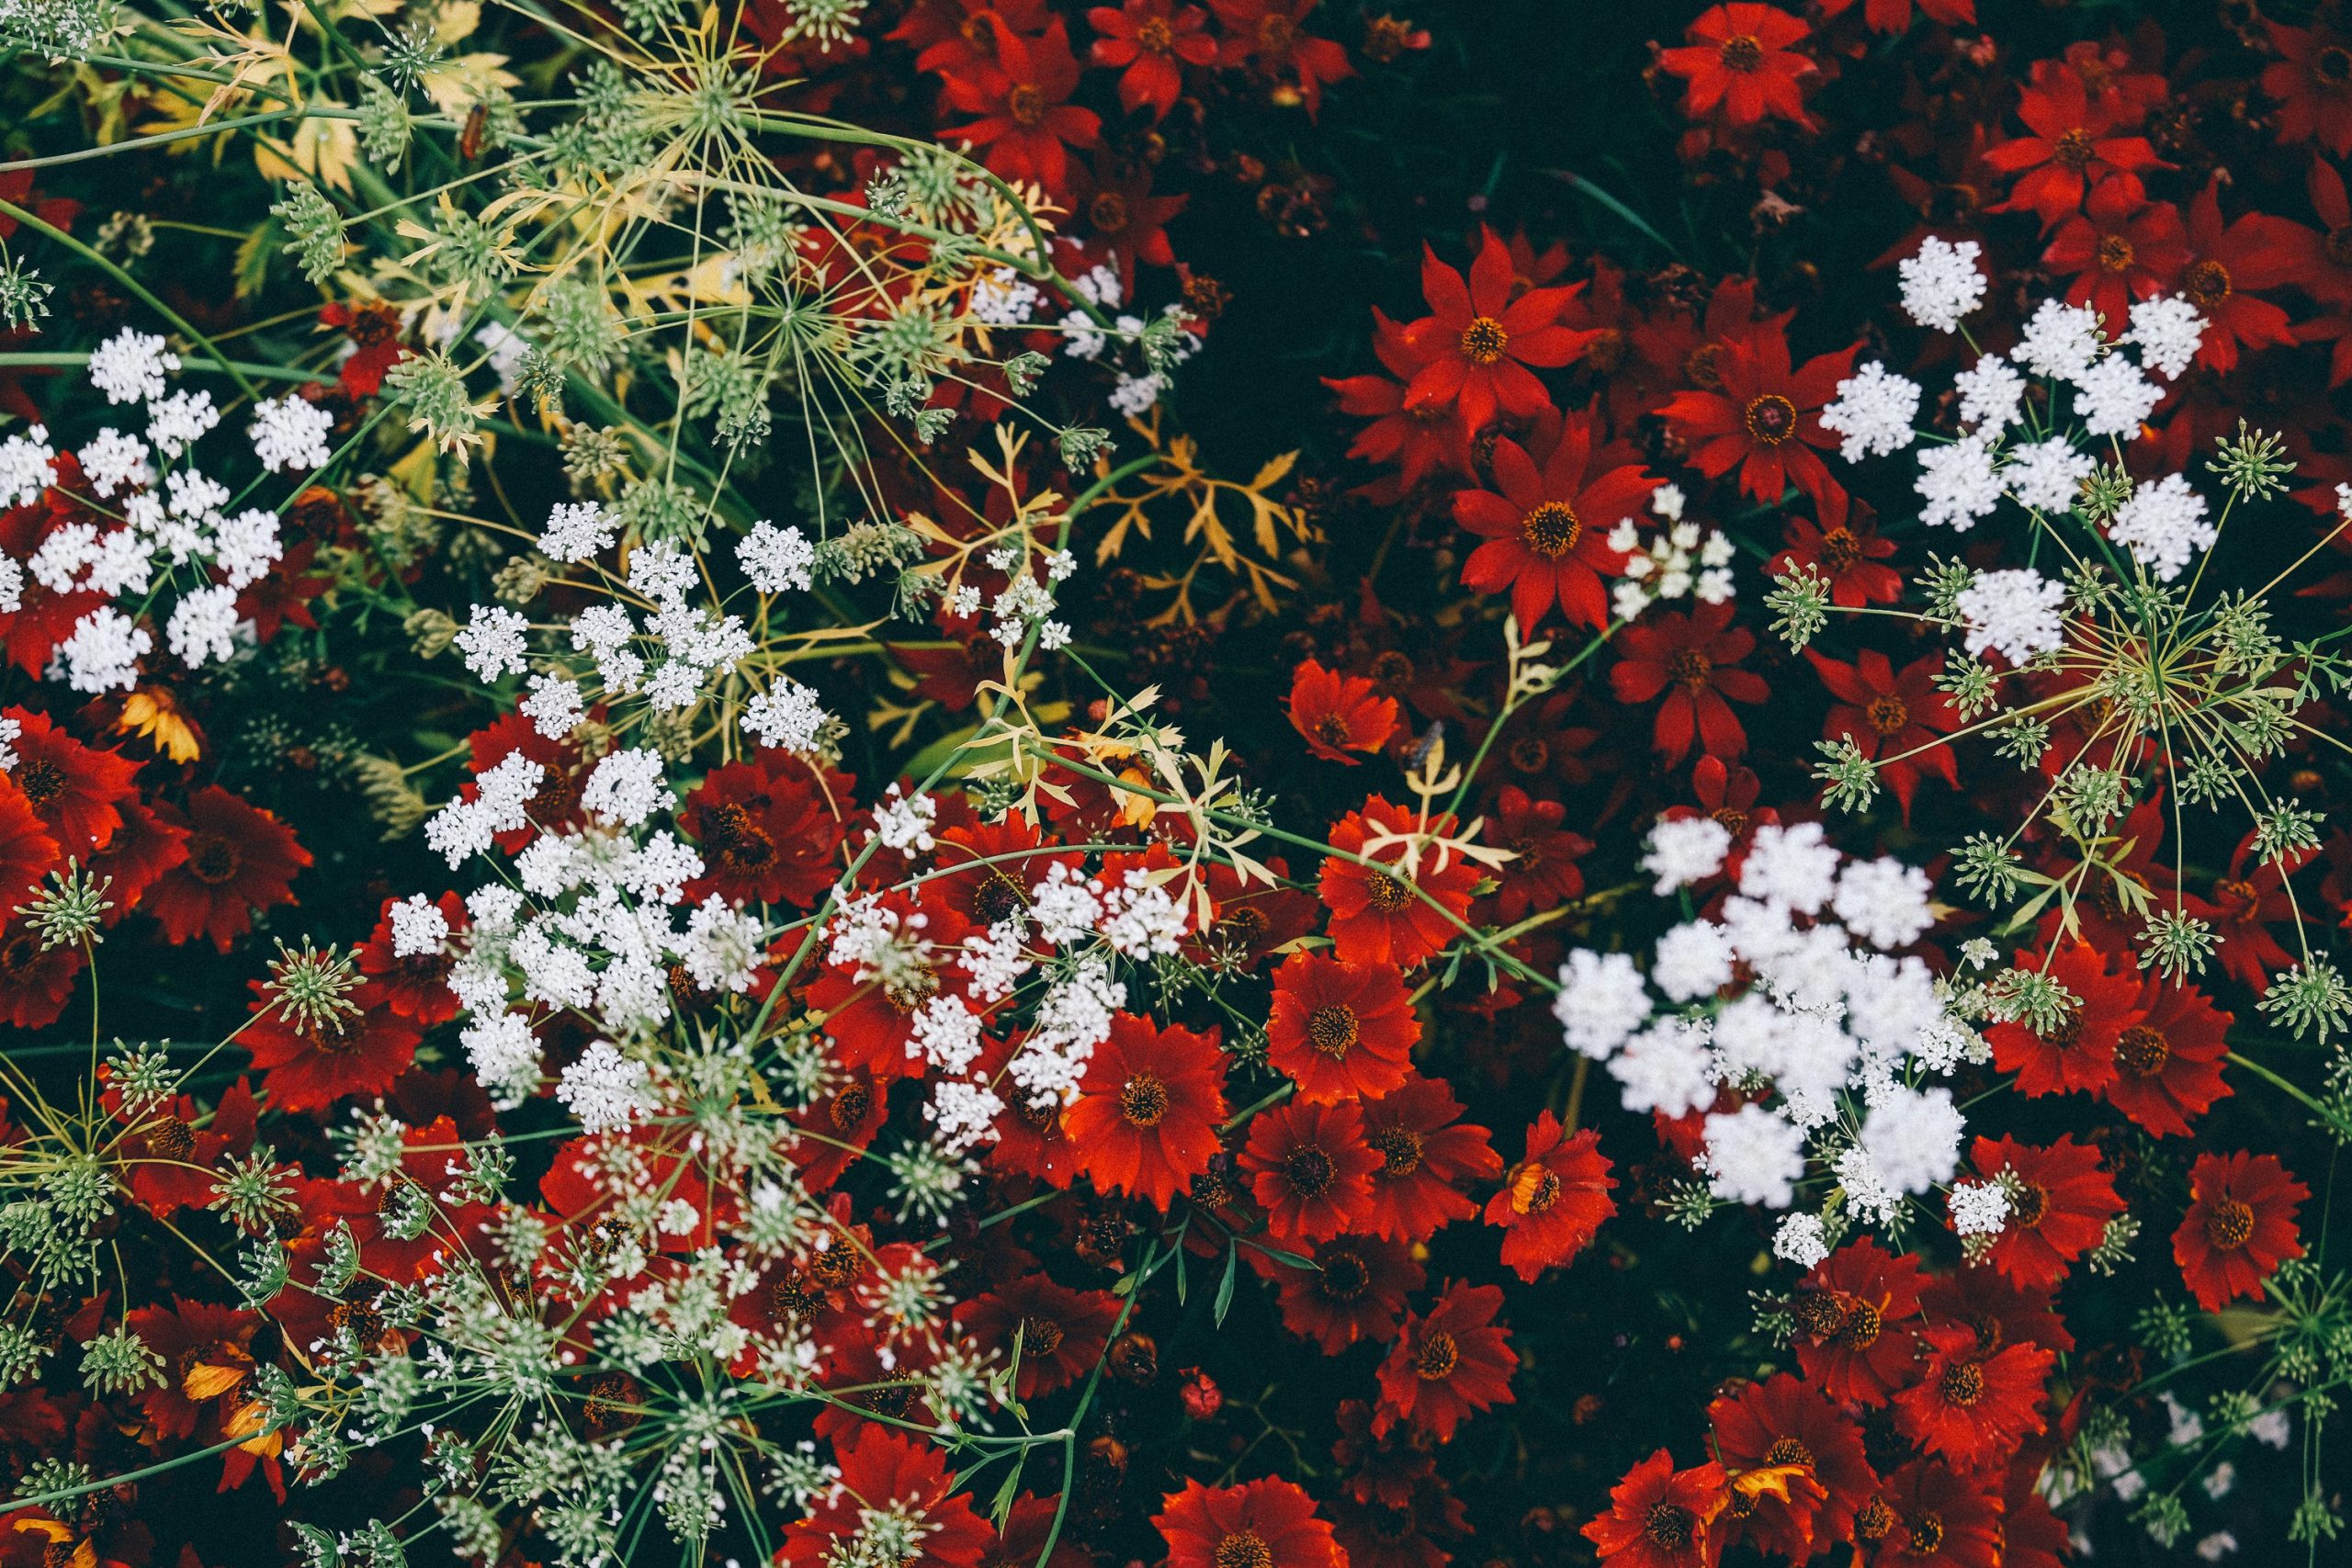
2240,898
1154,35
1025,105
1400,1151
1345,1277
1874,1519
1703,366
2332,66
1040,1335
1483,340
1888,715
2228,1224
1530,753
1772,418
42,782
1107,212
1963,1384
1436,1357
731,834
2115,253
997,898
1388,894
1742,52
2030,1205
2142,1052
2073,150
1243,1549
1789,1451
1333,1031
1926,1534
788,1297
849,1108
1309,1171
212,859
1276,33
1859,1328
1689,669
1667,1526
1552,530
1331,729
171,1138
977,32
1391,669
1143,1101
2207,284
906,992
1841,550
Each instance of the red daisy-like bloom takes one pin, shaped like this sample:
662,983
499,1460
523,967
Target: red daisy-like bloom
1896,717
27,853
1149,42
1340,1030
1766,422
311,1062
36,982
1693,661
1849,555
2079,1054
1547,532
2259,250
1478,341
1253,921
2240,1225
206,1352
1660,1516
2120,248
1310,1169
884,1471
1146,1118
1852,1318
77,791
1543,873
2168,1064
1552,1201
1969,1409
767,835
415,985
1932,1515
177,1169
2246,900
1419,440
1356,1290
1739,61
1268,1523
2313,82
1894,16
1062,1332
1448,1364
1784,1423
2069,149
2059,1201
1399,916
240,859
1026,122
1272,36
1427,1156
1339,714
991,866
1127,221
142,849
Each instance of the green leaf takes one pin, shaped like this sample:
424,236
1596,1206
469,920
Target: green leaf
1224,1286
254,254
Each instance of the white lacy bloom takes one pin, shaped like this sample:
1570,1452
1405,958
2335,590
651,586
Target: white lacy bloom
104,652
418,927
28,466
504,1057
554,707
787,715
1873,411
776,558
1884,901
1941,283
2168,332
1694,960
247,545
722,951
1601,1001
1800,1240
1913,1138
2059,342
203,627
576,531
2113,396
2015,612
289,433
493,642
1990,395
1794,865
463,829
2047,475
176,423
112,460
662,573
607,1090
1003,298
1685,849
965,1111
944,1032
131,367
903,822
1979,1207
2163,525
1957,483
1665,1068
629,786
1752,1157
12,587
11,729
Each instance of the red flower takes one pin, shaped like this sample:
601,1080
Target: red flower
1271,35
991,867
1396,916
311,1062
2313,82
1259,1524
882,1469
1552,1202
2079,1054
1145,1121
77,792
240,859
2258,251
2240,1225
1547,532
1783,1422
1931,1515
1310,1169
1692,660
2122,248
177,1169
1766,420
1543,874
1739,59
141,849
1477,341
1660,1516
1894,16
1448,1364
2168,1064
2243,900
1340,1030
1127,221
1339,714
206,1351
1027,123
27,853
768,833
1852,1316
1421,439
2069,148
1898,719
1154,40
2059,1201
36,982
1062,1332
1427,1156
1971,1409
416,984
1848,554
1355,1292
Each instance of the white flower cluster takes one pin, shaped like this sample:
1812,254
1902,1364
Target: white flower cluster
1795,995
1133,393
1683,559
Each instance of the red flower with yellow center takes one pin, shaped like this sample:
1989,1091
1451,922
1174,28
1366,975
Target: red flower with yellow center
1547,532
2168,1062
1554,1201
1408,905
1765,421
1339,714
1784,1423
1427,1156
1149,42
1340,1030
2239,1227
2059,1201
240,859
1969,1408
1692,660
1853,1317
1268,1523
1145,1121
1479,339
1448,1364
1739,62
1660,1516
1310,1169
